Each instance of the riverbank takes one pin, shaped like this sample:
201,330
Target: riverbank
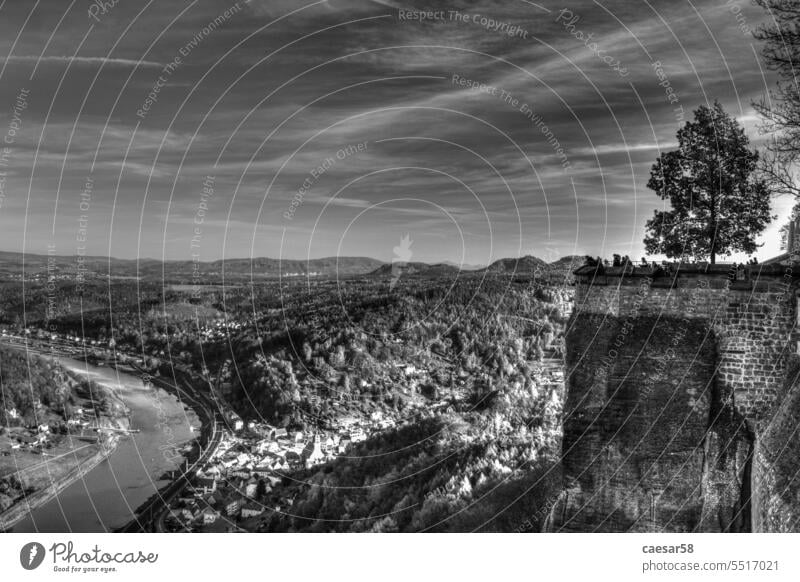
42,475
147,514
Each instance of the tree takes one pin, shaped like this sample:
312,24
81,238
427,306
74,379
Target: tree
781,109
719,203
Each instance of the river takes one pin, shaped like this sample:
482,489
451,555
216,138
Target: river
107,497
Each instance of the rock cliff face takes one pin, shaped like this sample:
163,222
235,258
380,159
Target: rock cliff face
675,416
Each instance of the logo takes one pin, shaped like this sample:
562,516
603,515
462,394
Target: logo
402,255
31,555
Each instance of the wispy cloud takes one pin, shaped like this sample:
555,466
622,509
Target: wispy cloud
333,82
17,59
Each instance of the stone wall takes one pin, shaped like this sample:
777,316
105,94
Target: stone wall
674,385
754,323
634,427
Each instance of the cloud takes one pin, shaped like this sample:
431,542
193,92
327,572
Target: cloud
105,61
611,128
616,148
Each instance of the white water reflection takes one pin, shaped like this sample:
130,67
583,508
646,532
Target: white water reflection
107,496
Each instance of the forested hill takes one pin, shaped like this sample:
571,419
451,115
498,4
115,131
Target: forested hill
72,268
30,385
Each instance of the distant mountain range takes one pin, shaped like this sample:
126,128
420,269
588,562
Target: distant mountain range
39,266
524,264
259,268
415,268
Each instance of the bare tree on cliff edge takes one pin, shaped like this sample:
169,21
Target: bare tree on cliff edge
719,204
780,109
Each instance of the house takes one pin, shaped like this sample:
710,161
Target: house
281,433
270,459
251,487
330,444
209,516
252,509
357,434
264,447
241,472
232,507
207,484
294,459
347,421
262,471
213,471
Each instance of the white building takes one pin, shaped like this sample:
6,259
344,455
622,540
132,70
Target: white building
252,510
209,516
251,488
312,453
233,507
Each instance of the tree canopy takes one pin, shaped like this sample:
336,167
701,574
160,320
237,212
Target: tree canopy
719,205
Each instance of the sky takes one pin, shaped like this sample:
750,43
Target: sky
472,131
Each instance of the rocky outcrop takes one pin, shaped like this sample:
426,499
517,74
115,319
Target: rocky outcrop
726,475
776,465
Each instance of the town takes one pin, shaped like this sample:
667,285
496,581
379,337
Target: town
243,477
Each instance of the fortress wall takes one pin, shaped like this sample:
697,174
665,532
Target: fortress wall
681,405
754,323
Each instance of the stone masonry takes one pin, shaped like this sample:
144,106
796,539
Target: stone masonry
680,398
753,320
